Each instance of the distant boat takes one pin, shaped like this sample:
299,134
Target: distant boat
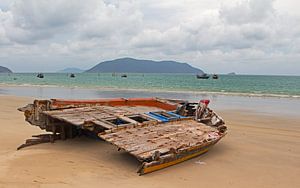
124,76
72,75
40,75
202,76
215,76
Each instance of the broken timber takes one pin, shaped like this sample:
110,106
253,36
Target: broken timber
158,132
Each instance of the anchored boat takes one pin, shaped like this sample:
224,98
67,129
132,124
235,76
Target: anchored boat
158,132
40,75
202,76
215,76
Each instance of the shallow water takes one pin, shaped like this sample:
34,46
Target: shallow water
249,85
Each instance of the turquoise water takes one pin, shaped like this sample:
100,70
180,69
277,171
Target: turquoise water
284,86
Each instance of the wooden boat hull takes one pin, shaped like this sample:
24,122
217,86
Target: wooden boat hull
151,167
162,145
158,132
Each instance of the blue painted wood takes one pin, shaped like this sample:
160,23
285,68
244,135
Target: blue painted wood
157,117
178,116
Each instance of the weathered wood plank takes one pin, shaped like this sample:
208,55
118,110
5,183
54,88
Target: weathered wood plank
143,142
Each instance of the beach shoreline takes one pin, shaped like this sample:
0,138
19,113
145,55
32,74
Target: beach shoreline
258,150
284,106
157,90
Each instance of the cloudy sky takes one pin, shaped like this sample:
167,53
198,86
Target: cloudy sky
218,36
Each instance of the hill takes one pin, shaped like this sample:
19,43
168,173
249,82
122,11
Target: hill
5,70
71,70
131,65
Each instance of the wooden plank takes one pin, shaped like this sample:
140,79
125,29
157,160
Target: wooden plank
103,124
174,141
143,142
96,115
174,144
157,130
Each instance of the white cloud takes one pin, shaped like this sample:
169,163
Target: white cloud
218,36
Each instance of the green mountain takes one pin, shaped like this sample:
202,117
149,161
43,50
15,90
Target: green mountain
130,65
5,70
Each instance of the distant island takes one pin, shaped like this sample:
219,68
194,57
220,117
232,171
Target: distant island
131,65
5,70
231,73
71,70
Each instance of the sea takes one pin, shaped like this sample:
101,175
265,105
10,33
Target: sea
246,85
264,94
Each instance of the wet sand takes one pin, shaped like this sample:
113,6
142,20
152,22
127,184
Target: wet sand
288,106
260,150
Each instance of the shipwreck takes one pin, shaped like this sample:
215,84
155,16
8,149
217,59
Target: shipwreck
157,132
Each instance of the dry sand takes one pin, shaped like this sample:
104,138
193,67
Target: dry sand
259,151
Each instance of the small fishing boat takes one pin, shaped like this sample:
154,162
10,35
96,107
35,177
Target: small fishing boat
40,75
72,75
202,76
215,76
124,75
157,132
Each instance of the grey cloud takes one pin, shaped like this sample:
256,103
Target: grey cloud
32,14
255,32
108,19
247,11
30,21
190,31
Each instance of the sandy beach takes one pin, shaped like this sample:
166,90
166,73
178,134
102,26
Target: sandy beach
134,94
259,151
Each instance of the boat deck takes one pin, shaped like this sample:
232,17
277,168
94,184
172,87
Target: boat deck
133,130
104,116
173,137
